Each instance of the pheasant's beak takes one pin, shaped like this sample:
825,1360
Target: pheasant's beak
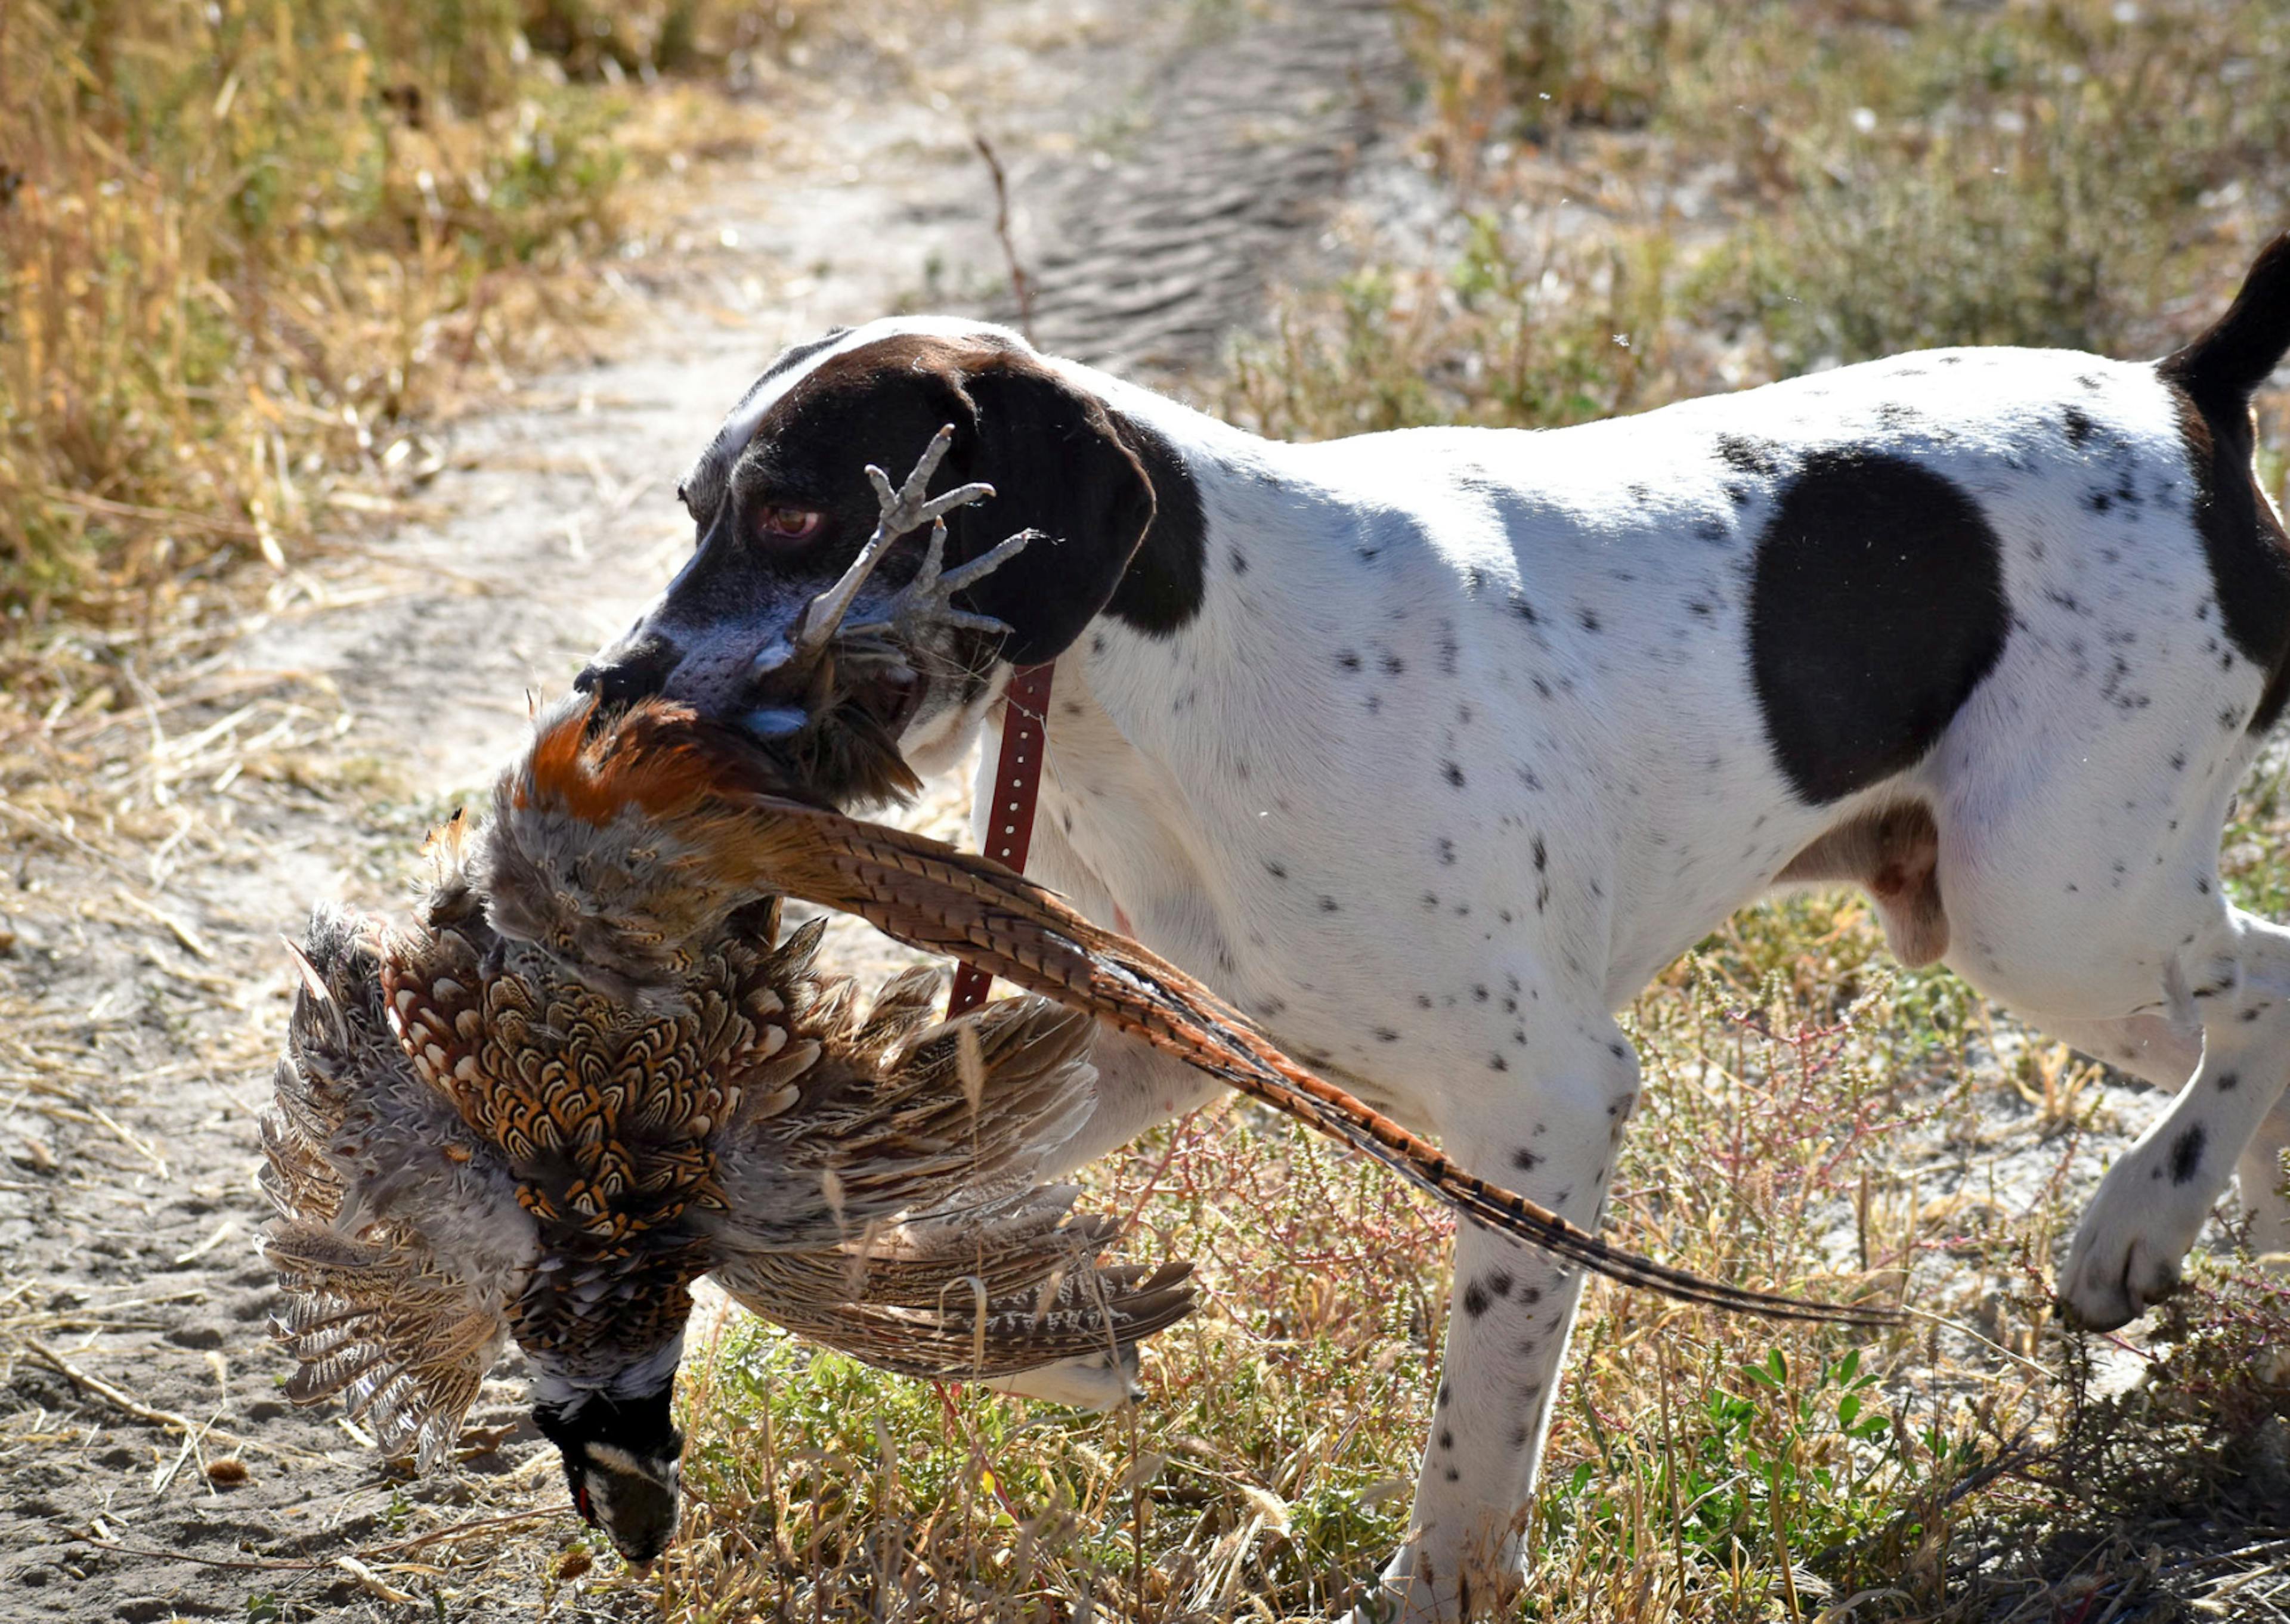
886,691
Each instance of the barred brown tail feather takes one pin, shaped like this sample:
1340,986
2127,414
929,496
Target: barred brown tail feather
1029,938
719,795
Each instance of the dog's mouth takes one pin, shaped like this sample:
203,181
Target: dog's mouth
883,694
889,698
837,735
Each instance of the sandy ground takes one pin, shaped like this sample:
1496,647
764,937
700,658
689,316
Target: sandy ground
1166,159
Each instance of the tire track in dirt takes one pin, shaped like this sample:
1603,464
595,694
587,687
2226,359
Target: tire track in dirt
1166,248
141,981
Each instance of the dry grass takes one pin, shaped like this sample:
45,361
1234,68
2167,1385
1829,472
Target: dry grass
240,252
1816,1116
1662,198
250,253
1864,178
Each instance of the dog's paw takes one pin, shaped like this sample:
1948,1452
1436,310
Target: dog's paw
2131,1246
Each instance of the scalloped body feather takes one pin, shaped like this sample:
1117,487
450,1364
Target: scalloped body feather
561,1095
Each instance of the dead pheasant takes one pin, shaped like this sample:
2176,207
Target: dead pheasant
478,1137
594,1074
731,814
720,828
721,816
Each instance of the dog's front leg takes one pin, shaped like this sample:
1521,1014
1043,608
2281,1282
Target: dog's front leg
1138,1088
1552,1137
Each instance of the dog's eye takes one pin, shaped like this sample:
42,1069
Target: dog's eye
788,523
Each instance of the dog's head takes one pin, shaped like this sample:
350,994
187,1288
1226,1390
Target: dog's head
783,505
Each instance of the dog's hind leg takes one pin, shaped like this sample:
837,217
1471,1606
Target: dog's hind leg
2154,1050
2234,980
1551,1136
2148,1047
1138,1088
2263,1177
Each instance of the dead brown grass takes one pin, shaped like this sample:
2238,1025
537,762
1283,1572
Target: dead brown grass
1815,1115
251,255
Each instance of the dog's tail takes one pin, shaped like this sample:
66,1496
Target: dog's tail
2223,367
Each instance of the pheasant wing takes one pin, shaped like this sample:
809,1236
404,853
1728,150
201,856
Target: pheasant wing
739,833
378,1311
968,1335
956,1119
952,1257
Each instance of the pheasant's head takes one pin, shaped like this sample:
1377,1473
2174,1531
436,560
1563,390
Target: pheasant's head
597,852
621,1463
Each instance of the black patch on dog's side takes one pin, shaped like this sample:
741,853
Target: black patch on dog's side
1877,608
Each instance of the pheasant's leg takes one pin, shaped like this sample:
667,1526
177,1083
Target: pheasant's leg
1552,1139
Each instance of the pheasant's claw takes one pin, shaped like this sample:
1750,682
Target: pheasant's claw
988,562
928,599
904,510
917,482
945,503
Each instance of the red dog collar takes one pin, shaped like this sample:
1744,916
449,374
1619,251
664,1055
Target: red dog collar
1017,787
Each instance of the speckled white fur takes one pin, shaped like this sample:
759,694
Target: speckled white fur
1434,845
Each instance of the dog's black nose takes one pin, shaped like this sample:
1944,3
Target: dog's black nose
636,669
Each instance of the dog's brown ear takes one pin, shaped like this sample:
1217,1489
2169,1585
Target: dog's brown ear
1060,463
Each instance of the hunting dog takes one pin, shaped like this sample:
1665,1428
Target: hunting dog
1430,749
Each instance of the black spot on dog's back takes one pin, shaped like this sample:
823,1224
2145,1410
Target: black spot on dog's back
2249,556
1749,456
2213,378
1877,607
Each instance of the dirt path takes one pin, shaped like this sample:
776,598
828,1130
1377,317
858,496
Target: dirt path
1166,159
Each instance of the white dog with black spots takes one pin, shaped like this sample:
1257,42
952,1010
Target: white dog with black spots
1430,749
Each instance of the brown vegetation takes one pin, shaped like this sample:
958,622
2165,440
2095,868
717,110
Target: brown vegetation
230,301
